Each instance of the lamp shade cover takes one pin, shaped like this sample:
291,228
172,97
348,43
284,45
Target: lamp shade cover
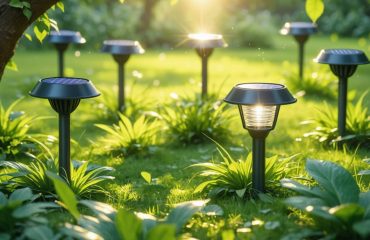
342,57
298,28
206,40
65,36
64,88
122,47
259,94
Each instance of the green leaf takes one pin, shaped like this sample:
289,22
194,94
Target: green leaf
60,5
362,228
213,210
147,176
128,225
314,9
65,194
11,65
183,212
28,36
21,195
365,202
163,232
40,35
348,213
241,192
32,208
228,235
39,233
335,180
16,4
28,13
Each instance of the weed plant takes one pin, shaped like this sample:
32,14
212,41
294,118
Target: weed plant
357,128
234,177
14,136
335,202
190,120
130,137
85,179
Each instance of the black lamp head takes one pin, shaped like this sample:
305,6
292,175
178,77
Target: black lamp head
65,37
64,89
206,40
341,57
122,47
298,28
259,103
343,62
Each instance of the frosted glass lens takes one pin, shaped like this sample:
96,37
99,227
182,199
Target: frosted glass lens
259,116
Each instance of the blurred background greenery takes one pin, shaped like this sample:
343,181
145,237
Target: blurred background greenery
165,23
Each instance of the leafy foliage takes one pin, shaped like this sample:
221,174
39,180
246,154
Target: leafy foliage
335,202
189,120
357,128
317,81
108,223
234,177
129,137
14,136
20,215
85,178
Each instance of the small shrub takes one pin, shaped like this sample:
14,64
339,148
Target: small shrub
85,178
189,121
234,177
129,137
109,223
335,202
20,215
357,127
14,136
317,81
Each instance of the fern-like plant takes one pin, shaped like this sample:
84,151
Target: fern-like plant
85,179
189,120
105,222
334,202
128,137
14,136
357,128
234,177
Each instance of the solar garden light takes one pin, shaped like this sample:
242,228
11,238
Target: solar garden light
121,51
343,63
259,105
61,39
204,45
64,95
301,31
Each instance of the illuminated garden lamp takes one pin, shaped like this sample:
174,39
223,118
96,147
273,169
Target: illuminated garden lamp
204,45
301,31
61,40
121,51
64,95
259,105
343,63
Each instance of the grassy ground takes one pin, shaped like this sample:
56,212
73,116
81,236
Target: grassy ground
162,73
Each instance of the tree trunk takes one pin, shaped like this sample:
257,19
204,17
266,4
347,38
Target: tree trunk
146,15
13,24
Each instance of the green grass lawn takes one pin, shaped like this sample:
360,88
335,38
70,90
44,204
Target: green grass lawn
157,74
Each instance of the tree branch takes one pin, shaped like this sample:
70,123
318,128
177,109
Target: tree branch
13,24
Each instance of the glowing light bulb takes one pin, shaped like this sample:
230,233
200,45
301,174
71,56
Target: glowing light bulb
258,116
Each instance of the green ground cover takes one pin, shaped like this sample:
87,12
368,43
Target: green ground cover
159,73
